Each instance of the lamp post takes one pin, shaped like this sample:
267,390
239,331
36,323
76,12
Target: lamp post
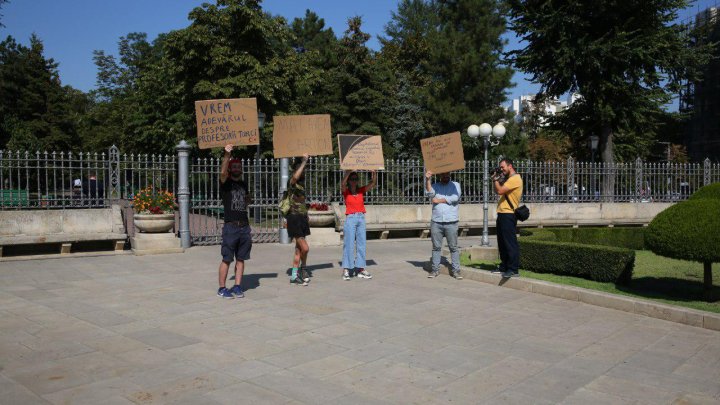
593,144
487,132
261,124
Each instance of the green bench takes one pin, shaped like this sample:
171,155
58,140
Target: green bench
14,198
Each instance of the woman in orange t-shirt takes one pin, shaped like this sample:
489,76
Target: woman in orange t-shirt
354,228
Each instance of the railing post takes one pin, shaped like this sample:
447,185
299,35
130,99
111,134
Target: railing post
284,176
183,150
570,179
114,167
706,171
638,179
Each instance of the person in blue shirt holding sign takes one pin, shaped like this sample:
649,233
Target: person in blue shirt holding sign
445,196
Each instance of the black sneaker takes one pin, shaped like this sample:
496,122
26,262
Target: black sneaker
457,275
225,293
433,274
298,281
508,274
304,275
497,270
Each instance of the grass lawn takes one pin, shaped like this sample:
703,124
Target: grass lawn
657,278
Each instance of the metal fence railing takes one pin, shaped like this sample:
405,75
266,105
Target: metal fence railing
59,180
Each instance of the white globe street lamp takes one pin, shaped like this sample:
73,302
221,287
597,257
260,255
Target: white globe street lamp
487,132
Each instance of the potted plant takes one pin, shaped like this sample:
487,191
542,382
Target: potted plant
319,215
154,210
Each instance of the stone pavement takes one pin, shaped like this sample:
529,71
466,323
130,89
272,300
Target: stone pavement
126,329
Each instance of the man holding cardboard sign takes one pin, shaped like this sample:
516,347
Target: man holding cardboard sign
445,196
227,121
444,153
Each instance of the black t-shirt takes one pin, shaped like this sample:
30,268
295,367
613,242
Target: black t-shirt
234,194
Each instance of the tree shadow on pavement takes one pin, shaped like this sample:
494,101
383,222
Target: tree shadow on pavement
670,288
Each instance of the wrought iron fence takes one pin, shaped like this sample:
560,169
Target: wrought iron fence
59,180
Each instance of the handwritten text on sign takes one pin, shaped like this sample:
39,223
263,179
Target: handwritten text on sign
227,121
361,152
443,153
295,135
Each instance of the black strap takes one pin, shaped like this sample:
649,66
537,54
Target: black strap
512,207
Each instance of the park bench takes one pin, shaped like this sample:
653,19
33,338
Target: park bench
64,227
14,198
388,218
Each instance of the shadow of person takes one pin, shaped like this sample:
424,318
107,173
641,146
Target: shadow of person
252,281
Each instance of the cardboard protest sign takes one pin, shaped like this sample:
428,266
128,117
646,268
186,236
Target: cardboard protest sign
361,152
295,135
227,121
443,153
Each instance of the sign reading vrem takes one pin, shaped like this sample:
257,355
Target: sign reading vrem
227,121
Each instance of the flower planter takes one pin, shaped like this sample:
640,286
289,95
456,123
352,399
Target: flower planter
154,223
319,219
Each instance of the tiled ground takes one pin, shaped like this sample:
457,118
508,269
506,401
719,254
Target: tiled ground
125,329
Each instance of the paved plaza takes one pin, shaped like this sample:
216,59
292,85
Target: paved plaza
149,329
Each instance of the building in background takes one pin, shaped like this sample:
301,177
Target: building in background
525,106
702,99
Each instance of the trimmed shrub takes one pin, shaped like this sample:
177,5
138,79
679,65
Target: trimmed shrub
541,253
710,191
630,238
689,230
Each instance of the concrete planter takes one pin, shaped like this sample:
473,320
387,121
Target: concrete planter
318,219
154,223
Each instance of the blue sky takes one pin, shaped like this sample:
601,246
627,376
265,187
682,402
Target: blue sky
72,29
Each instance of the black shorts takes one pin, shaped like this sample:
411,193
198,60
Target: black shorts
297,225
236,242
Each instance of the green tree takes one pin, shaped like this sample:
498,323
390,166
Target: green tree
312,35
363,82
626,58
231,49
449,53
38,113
469,76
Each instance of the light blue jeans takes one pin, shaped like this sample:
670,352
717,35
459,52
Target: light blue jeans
354,237
450,231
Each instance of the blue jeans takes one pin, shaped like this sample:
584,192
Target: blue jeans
354,236
450,231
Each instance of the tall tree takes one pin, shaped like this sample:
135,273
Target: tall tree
36,111
469,75
625,57
449,53
363,84
233,49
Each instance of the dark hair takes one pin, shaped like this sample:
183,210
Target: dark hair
508,162
352,173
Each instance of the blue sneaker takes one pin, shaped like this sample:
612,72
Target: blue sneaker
225,293
237,292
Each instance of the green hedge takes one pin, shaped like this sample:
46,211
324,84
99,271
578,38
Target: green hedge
630,238
711,191
689,230
540,253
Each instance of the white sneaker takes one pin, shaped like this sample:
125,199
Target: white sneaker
364,274
346,274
